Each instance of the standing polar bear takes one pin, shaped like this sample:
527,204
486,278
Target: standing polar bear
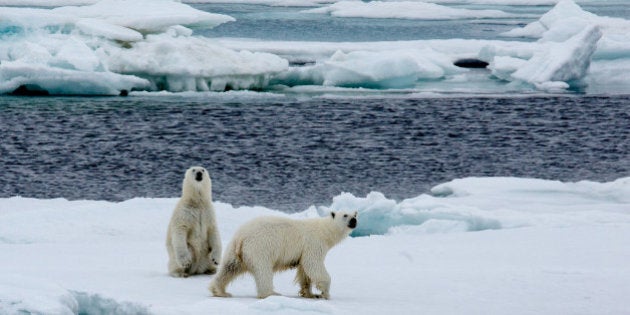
192,241
269,244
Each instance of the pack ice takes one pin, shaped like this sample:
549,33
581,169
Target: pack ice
102,48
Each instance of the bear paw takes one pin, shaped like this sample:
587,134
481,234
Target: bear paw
179,274
266,295
211,271
184,261
219,293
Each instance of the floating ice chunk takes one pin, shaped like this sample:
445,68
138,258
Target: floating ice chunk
566,61
566,19
54,80
569,40
146,16
370,69
404,10
564,9
391,69
194,64
117,45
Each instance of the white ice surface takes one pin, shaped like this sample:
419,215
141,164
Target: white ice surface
472,246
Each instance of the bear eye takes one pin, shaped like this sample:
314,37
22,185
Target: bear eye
345,215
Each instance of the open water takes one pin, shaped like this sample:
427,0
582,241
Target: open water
288,154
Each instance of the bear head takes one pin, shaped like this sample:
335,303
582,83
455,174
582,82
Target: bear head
197,179
345,220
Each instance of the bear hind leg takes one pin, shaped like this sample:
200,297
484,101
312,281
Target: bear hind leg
227,272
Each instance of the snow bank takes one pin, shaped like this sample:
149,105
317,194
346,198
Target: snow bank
404,10
117,45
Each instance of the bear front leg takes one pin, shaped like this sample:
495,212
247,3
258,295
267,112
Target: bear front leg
214,252
183,257
319,276
324,287
263,275
305,283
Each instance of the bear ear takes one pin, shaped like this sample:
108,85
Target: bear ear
332,214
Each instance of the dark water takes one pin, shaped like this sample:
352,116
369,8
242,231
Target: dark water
287,155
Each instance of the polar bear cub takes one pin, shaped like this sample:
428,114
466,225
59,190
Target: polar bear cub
269,244
193,242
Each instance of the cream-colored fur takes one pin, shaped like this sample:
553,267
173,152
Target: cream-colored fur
193,242
269,244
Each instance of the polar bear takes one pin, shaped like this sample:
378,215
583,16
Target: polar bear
192,241
269,244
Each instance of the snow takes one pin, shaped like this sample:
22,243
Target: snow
113,46
404,10
473,245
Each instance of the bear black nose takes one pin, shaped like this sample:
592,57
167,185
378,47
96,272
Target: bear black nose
199,176
353,223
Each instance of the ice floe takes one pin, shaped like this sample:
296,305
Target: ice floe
470,241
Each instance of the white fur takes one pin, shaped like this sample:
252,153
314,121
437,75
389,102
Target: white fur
269,244
193,242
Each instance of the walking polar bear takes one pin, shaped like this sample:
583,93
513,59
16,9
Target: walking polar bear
269,244
193,242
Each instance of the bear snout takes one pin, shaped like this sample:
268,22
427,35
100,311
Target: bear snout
199,176
352,223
